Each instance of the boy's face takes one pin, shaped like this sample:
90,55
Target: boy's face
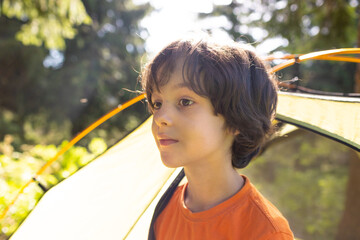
185,128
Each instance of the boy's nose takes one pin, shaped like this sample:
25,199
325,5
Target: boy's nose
162,117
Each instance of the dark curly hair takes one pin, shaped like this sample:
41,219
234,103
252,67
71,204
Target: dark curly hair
235,80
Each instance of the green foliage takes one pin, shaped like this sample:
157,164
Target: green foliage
100,63
49,104
97,146
305,177
311,25
329,76
46,21
306,25
18,168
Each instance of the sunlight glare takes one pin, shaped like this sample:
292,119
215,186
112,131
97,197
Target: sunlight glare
173,19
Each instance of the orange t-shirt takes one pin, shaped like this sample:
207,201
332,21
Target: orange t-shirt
246,215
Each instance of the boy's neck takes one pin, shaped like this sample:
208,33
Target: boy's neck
210,187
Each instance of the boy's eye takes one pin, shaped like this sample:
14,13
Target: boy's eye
186,102
156,105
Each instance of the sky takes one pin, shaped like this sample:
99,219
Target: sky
175,18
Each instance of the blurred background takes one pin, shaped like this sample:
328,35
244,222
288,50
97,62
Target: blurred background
65,63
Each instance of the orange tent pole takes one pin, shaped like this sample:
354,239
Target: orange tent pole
329,58
338,58
315,55
70,144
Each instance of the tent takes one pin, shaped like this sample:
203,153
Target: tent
114,196
88,206
335,117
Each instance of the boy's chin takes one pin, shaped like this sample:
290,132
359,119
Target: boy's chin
170,163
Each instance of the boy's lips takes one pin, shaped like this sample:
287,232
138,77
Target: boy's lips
167,142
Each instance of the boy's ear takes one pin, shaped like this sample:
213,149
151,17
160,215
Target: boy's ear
234,132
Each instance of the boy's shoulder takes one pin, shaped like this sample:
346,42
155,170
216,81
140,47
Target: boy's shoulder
262,213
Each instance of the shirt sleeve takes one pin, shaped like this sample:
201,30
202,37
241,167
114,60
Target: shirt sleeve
280,236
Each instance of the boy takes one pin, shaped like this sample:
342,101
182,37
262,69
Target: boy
212,109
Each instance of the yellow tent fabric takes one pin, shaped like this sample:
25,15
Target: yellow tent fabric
114,196
335,117
105,199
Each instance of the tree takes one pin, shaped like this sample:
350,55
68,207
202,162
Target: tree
47,22
98,62
102,61
44,24
311,25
